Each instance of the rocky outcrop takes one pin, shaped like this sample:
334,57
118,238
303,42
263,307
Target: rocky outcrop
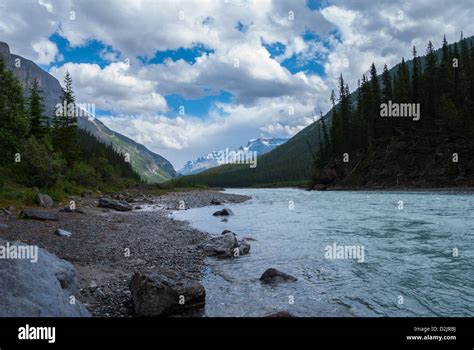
38,215
115,204
46,288
161,295
225,246
274,276
44,200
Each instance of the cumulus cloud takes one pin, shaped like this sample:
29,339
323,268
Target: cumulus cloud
113,88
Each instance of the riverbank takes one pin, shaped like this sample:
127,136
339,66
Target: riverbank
107,247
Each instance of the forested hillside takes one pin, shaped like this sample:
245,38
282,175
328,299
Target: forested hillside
379,151
56,157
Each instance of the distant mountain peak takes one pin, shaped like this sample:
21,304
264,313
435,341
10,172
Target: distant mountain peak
259,145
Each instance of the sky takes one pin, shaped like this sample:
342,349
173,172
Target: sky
188,77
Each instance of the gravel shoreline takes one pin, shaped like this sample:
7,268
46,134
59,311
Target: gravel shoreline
107,247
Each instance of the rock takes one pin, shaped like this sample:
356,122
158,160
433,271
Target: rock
244,247
225,246
223,212
35,189
44,200
225,231
319,187
138,207
93,286
249,239
5,211
62,233
225,220
274,276
3,226
280,314
39,289
215,202
68,209
157,295
38,215
87,193
116,204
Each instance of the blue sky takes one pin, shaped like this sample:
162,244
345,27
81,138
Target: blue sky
94,52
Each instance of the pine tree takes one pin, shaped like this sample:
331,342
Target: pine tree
65,124
430,76
14,124
39,122
415,77
374,121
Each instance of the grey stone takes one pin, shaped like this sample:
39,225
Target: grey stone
116,204
38,215
62,233
39,289
44,200
159,294
225,245
274,276
223,212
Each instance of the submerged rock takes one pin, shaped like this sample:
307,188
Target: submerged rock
225,246
274,276
116,204
44,200
159,295
223,212
48,287
38,215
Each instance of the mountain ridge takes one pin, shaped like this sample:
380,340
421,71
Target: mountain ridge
259,145
151,166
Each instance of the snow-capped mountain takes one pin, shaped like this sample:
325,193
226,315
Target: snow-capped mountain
258,146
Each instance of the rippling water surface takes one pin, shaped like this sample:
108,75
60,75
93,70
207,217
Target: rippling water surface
409,268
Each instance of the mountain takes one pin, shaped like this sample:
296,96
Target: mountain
261,146
290,164
149,165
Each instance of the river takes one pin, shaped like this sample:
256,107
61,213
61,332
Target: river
354,253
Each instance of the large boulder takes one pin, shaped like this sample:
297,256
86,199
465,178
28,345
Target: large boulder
44,200
116,204
38,215
225,246
161,295
223,212
46,288
274,276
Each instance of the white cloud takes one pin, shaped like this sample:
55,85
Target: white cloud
46,51
113,88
